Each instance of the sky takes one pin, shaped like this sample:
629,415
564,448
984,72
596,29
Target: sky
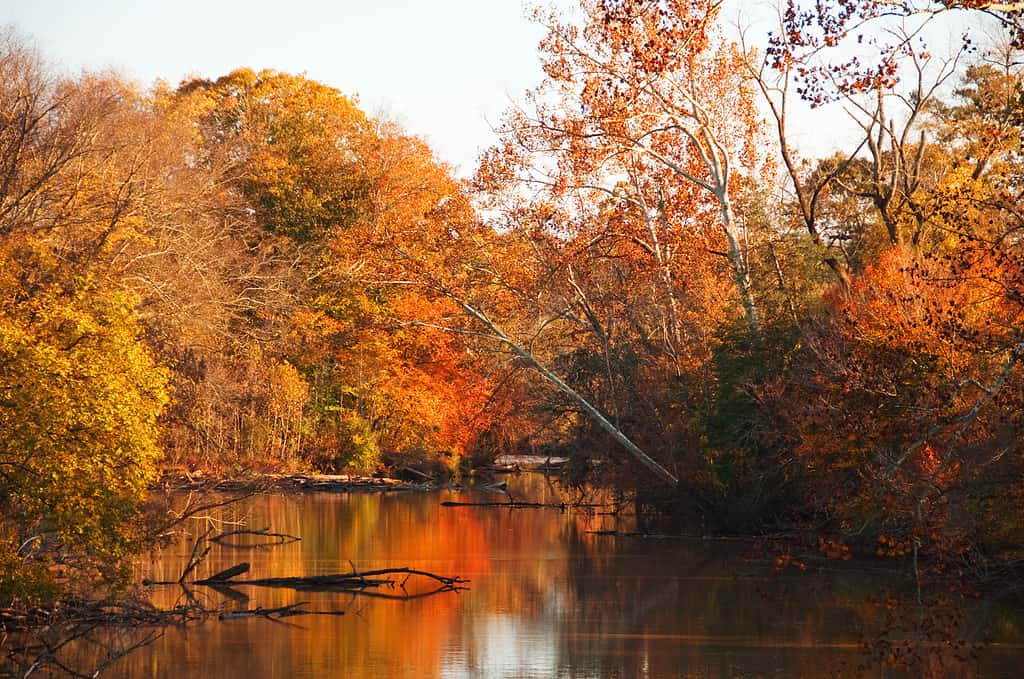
444,69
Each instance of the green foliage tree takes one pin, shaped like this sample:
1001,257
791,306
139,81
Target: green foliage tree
296,143
354,446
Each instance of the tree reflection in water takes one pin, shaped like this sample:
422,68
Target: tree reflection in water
548,598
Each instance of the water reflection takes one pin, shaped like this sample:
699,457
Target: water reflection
548,598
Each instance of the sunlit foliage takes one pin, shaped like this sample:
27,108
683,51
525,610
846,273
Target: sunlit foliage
79,400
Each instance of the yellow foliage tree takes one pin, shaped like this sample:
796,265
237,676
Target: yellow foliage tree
79,400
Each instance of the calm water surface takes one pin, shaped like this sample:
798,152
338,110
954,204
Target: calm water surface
548,598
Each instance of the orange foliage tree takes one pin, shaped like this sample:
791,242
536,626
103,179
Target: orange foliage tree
905,408
322,182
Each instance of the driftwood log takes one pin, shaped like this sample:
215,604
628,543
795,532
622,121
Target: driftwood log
353,581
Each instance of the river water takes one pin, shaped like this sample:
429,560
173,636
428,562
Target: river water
548,597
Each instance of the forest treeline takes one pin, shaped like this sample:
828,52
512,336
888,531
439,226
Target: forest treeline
643,274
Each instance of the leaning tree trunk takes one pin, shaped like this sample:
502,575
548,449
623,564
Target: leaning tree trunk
591,411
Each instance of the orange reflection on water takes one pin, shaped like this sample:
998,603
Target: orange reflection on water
548,598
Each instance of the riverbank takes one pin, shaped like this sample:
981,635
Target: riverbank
399,478
299,482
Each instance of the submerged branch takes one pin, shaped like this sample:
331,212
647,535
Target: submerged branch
275,539
522,505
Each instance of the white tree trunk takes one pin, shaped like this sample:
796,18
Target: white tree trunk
593,412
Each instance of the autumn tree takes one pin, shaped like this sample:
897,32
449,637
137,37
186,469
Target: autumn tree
79,390
819,43
322,181
619,177
294,144
646,104
906,397
394,364
79,406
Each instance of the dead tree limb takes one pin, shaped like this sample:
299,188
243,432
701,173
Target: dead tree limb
226,574
197,556
275,613
521,505
337,581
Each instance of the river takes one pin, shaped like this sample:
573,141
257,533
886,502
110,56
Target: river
548,597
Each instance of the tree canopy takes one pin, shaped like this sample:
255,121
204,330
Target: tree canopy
643,274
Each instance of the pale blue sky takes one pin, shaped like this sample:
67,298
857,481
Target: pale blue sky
443,68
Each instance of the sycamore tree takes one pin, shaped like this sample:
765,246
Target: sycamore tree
647,106
619,177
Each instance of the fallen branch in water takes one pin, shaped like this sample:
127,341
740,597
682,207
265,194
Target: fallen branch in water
523,505
671,536
274,539
354,580
225,574
275,613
